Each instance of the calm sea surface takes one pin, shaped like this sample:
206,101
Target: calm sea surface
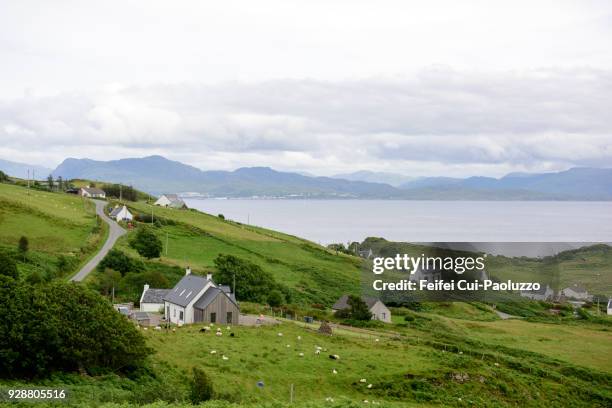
327,221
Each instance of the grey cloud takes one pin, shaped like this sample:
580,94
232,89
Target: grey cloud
530,119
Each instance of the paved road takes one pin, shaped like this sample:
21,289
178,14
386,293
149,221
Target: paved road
115,231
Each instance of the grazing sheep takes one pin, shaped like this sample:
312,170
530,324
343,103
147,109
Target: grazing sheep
145,328
219,334
157,327
334,357
369,385
301,354
377,340
213,351
232,334
317,352
334,371
225,358
299,337
228,328
288,345
280,334
329,399
173,330
362,380
203,330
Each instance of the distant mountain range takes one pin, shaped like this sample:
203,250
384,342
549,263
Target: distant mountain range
20,170
158,175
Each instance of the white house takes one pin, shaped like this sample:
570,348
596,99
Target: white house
609,306
121,214
152,300
576,292
376,307
544,293
170,200
429,275
197,299
92,192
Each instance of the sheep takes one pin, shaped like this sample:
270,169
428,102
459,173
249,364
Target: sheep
203,330
228,328
280,334
288,345
362,380
299,337
145,328
219,334
173,330
369,385
301,354
334,371
317,352
157,328
329,399
225,358
334,357
232,334
213,351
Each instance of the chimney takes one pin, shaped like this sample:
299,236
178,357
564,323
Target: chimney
209,276
188,271
146,287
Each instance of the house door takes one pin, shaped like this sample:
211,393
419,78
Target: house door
213,318
229,318
167,312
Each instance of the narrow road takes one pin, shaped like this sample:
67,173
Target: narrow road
115,231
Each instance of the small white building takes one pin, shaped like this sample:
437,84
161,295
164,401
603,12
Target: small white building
92,192
609,307
376,307
121,214
171,201
152,300
576,292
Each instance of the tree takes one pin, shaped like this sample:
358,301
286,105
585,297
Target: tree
50,182
23,246
119,261
147,243
60,183
201,386
358,308
275,298
3,177
252,283
60,326
8,266
109,280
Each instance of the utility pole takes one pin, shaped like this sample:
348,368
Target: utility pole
152,214
166,243
234,284
120,192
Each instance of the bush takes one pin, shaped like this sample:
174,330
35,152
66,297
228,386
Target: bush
62,326
201,387
147,243
252,283
23,245
8,266
275,298
119,261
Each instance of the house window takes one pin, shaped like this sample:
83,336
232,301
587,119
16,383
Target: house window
229,317
173,312
181,315
168,312
213,318
383,316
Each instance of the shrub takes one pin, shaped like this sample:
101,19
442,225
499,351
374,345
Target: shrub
119,261
23,245
62,326
275,298
8,267
147,243
201,387
221,216
252,283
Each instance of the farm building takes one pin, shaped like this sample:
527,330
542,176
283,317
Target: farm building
197,299
121,214
544,293
152,300
92,192
377,308
171,201
576,292
609,307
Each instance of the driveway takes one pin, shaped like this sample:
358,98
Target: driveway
115,231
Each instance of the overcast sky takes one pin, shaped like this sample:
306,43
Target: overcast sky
414,87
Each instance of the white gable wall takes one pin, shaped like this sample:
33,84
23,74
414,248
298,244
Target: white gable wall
380,312
187,310
163,201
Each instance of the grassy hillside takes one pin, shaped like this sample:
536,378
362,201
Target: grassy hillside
195,239
56,225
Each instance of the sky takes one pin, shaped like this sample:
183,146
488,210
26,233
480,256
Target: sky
421,88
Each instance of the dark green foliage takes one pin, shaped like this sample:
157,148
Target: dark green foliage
120,191
201,387
23,245
252,283
275,298
3,177
358,308
8,266
63,327
109,280
221,216
147,243
118,261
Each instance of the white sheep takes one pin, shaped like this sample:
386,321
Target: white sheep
299,337
225,358
213,351
280,334
334,371
369,385
157,328
329,399
362,380
317,352
301,354
288,345
219,334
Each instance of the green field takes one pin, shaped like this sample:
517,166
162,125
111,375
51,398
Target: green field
55,224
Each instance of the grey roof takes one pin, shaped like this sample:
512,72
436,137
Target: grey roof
210,295
140,316
342,303
172,197
541,291
93,190
154,295
577,288
184,291
115,211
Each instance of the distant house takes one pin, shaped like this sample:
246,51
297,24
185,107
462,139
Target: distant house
152,300
92,192
377,308
544,293
366,253
197,299
576,292
609,306
170,200
121,214
429,275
